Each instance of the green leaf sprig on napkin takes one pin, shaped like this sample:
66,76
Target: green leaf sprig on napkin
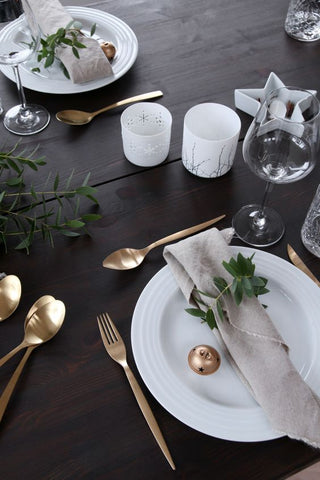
244,283
69,36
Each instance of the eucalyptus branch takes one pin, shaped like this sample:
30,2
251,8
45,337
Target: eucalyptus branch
25,212
244,283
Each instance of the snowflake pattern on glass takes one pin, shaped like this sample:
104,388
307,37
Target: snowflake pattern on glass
146,133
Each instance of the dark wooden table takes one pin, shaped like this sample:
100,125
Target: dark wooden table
73,415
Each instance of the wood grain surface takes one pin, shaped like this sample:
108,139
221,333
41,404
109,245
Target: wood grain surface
73,415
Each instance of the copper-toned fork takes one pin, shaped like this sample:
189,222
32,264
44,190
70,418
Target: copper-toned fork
116,349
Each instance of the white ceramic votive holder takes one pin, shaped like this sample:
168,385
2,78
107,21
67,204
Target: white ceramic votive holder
210,137
146,133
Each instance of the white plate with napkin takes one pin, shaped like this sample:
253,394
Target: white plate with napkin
52,80
221,405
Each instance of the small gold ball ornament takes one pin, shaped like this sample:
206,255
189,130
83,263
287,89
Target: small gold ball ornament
204,359
108,49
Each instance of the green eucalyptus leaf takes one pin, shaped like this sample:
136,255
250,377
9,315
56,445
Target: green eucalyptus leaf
24,245
247,286
14,181
220,283
78,44
67,41
90,217
242,264
220,309
210,319
56,183
230,269
69,233
31,164
65,71
75,224
75,52
85,190
203,293
49,60
60,33
195,312
258,281
238,291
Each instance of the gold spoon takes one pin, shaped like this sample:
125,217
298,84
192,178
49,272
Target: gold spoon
78,117
37,304
127,258
51,316
10,294
39,328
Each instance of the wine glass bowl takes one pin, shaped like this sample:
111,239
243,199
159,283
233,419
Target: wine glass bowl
22,119
281,146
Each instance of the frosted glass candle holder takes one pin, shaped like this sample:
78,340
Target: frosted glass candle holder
210,138
146,133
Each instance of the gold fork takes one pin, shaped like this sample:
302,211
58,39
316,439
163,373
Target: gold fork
117,351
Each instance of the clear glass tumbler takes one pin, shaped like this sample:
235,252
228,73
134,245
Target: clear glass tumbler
303,20
310,232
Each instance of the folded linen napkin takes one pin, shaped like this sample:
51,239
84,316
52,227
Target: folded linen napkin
50,15
255,347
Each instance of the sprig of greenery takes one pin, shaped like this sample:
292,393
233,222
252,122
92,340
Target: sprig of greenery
244,283
64,37
27,212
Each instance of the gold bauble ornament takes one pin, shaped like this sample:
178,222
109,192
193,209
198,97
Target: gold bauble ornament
204,359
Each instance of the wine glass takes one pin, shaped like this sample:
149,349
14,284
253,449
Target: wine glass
17,45
280,146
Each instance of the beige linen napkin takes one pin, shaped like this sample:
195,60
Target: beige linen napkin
255,347
50,16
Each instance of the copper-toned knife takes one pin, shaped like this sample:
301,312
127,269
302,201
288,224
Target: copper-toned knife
296,260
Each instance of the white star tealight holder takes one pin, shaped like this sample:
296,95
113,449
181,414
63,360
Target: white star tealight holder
249,100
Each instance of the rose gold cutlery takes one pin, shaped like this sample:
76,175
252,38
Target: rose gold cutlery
116,349
79,117
39,329
10,293
127,258
296,260
51,316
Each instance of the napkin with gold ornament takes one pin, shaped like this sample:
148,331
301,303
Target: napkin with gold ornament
50,15
257,351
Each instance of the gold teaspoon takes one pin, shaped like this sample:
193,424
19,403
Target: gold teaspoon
78,117
127,258
39,328
10,294
51,315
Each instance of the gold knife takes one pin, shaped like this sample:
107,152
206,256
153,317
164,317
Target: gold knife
296,260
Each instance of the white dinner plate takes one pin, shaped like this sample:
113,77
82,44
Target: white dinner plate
52,80
219,405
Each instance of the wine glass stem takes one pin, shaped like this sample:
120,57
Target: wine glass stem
259,220
19,87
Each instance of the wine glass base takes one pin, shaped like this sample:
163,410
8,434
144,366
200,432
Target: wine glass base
28,121
245,229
